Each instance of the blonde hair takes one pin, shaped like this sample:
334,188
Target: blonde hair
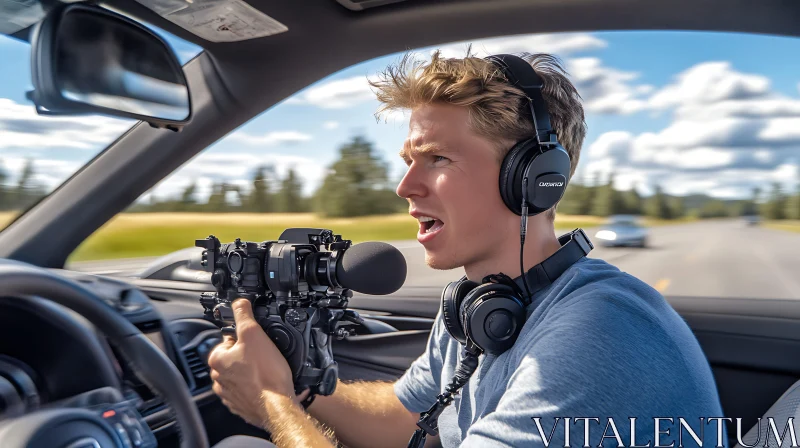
498,111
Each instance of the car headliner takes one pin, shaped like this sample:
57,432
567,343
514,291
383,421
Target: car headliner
233,82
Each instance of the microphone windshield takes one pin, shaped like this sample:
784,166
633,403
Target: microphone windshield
372,268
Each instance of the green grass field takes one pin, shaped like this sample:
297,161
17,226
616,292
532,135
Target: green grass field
154,234
131,235
790,225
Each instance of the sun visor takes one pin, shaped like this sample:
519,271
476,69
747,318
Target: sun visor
16,15
217,20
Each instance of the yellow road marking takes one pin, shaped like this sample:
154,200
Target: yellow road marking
662,285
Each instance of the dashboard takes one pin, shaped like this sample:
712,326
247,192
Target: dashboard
48,353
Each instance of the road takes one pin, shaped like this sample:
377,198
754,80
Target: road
707,259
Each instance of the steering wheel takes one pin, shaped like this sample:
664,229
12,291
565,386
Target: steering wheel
86,427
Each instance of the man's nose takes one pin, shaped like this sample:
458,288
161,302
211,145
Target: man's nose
412,184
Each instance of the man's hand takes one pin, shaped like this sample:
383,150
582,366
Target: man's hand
254,381
245,369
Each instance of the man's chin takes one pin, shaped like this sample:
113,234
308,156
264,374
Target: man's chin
440,262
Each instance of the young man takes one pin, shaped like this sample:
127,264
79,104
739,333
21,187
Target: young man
598,345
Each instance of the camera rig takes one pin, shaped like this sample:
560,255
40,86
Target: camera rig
295,293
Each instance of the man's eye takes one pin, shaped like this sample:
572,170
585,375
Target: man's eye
439,158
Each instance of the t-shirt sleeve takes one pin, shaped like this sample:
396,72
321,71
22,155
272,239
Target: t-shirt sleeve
420,384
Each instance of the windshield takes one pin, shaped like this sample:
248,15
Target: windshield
38,153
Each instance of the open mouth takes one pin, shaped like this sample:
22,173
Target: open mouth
429,224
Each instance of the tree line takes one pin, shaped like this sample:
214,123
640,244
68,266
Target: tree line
24,192
602,199
358,183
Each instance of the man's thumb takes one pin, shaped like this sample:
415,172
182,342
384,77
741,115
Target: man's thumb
243,316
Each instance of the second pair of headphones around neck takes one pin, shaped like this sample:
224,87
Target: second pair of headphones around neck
489,315
533,177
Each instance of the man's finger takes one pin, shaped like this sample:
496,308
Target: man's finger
302,396
243,315
214,374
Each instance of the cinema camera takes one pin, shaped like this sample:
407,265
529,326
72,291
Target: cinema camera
299,292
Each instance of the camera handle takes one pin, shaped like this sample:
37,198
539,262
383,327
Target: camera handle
428,420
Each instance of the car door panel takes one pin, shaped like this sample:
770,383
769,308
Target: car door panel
753,347
386,355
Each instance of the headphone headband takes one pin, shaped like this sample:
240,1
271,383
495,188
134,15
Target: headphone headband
520,74
535,171
574,246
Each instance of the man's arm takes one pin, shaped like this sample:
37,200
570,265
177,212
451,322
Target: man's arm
366,414
254,381
289,425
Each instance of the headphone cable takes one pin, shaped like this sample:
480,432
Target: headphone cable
523,229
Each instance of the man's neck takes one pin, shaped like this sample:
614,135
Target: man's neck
540,244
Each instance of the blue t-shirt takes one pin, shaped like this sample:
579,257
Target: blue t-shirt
599,346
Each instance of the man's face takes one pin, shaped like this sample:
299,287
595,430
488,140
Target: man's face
453,177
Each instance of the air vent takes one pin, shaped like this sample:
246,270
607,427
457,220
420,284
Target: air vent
198,368
147,327
360,5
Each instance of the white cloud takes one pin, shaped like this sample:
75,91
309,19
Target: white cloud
270,138
786,173
330,125
763,155
337,94
709,82
22,127
610,143
781,130
730,132
561,44
604,89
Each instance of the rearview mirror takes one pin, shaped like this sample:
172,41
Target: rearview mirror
88,60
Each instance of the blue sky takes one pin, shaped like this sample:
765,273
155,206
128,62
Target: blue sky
694,112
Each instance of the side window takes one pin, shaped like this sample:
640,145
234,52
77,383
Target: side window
689,168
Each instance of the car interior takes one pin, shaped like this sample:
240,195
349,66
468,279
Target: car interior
71,342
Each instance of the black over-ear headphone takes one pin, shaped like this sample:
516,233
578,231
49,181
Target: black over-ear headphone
540,162
491,314
533,177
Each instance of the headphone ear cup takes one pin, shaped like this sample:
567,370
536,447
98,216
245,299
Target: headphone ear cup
452,297
548,176
511,172
492,317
